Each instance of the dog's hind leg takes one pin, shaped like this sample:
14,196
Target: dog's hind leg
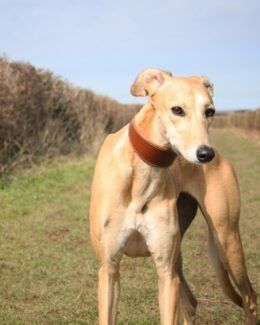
228,259
219,199
187,208
221,272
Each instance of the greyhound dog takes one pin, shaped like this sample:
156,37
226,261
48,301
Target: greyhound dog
149,180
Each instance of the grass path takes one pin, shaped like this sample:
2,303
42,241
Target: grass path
48,273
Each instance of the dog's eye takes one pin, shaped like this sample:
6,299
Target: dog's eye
209,112
178,111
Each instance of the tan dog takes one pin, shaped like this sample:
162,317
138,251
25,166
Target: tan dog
140,210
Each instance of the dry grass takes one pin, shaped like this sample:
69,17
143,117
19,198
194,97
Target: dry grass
245,120
42,115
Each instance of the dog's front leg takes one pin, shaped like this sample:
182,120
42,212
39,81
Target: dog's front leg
168,285
108,291
164,244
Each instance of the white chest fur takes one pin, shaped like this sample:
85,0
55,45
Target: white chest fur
148,208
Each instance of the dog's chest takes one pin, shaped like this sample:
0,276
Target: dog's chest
147,183
135,231
140,222
140,219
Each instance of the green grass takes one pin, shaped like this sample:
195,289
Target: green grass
48,272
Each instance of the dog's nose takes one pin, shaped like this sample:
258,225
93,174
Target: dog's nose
205,154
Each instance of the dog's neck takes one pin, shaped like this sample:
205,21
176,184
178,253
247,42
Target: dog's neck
147,181
149,126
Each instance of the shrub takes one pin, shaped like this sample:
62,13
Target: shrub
42,115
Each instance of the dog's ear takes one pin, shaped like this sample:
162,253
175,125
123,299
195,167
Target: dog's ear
149,81
206,83
209,85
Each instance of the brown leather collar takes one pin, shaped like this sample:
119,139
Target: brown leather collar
149,152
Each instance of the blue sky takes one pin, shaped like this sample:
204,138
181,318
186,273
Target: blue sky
102,45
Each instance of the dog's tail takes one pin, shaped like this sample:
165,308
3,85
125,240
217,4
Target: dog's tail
222,273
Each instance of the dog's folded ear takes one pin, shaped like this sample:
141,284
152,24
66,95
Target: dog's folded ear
206,83
209,85
149,81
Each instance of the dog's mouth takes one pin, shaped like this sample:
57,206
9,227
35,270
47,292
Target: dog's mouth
177,151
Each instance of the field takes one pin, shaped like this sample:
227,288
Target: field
48,272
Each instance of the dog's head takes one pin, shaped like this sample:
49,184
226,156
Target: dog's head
185,109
